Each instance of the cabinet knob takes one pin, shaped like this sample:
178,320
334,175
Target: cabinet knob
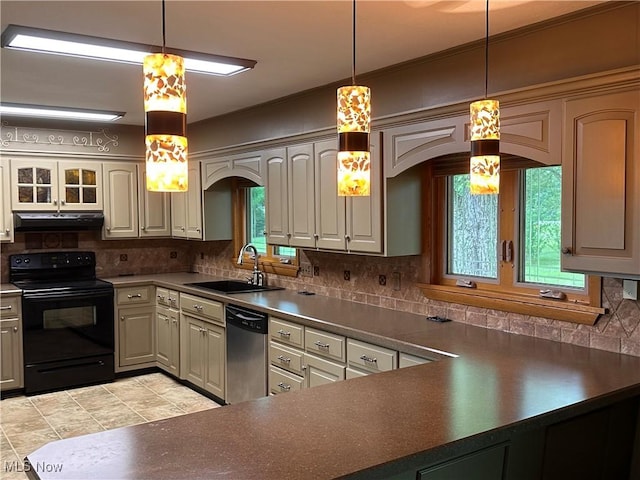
316,236
8,230
566,250
264,233
347,238
108,229
122,318
182,228
15,329
144,228
62,202
55,202
288,235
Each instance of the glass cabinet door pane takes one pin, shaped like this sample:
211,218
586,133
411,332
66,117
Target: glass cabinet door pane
89,195
72,195
88,177
25,175
25,194
72,176
43,176
43,194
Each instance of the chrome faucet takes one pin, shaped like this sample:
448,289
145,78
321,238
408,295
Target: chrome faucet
257,277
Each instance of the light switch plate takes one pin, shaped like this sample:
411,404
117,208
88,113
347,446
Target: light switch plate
630,289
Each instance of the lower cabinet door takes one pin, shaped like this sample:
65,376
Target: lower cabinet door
163,337
215,359
136,333
194,367
487,464
11,352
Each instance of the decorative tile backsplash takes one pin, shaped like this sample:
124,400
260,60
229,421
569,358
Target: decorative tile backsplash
617,331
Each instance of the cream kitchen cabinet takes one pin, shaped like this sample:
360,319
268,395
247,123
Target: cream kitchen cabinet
6,216
186,207
408,360
601,184
135,328
203,344
11,363
289,198
370,358
154,210
346,223
60,185
168,331
120,200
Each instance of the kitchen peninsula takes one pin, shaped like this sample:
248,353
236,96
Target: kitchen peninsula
495,404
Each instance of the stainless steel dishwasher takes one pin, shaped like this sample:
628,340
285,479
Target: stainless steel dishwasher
246,354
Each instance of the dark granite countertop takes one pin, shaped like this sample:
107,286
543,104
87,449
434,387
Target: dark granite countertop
497,383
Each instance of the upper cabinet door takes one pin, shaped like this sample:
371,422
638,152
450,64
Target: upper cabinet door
121,200
601,185
329,207
364,214
79,186
35,184
194,203
154,214
276,201
301,207
6,216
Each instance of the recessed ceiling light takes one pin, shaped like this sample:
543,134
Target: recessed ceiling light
70,44
62,113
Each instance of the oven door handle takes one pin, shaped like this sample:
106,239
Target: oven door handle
73,295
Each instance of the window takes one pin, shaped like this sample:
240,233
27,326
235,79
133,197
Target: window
250,220
505,249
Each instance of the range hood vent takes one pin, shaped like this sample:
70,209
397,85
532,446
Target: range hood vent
53,221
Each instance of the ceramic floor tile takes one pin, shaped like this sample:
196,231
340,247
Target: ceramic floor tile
12,467
148,402
25,443
26,426
159,413
76,414
74,428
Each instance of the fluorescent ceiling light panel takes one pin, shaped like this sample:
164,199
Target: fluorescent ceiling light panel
62,113
70,44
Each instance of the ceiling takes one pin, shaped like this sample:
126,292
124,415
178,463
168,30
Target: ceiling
298,45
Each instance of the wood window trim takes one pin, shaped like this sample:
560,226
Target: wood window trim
582,309
266,263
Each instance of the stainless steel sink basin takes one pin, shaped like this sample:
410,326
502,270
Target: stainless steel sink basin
232,286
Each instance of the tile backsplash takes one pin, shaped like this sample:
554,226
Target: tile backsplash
617,331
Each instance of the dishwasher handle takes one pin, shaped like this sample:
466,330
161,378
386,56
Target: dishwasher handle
247,319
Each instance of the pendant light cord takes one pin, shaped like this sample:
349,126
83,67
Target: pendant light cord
486,52
163,29
353,66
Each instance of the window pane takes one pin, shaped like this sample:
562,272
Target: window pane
255,218
473,231
285,251
542,218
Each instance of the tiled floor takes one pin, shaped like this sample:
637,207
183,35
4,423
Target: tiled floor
27,423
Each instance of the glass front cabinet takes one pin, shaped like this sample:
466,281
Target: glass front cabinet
56,185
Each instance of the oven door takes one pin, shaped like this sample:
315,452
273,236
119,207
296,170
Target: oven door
68,338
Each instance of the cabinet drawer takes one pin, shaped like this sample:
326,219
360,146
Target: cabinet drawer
353,373
285,357
281,381
9,306
321,372
371,357
286,332
162,296
323,343
202,307
407,360
134,295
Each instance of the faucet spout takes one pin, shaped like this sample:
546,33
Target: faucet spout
257,277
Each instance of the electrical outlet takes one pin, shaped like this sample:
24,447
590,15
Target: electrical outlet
306,270
395,279
347,275
124,257
173,255
316,271
382,280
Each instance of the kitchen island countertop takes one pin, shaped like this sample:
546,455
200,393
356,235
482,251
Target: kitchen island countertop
484,386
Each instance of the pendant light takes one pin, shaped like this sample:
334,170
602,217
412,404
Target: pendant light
165,105
354,124
485,135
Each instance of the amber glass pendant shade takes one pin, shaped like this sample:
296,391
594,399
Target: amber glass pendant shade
354,124
165,104
485,147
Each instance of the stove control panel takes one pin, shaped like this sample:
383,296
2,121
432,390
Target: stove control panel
51,260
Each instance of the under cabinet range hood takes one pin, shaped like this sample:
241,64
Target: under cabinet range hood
57,221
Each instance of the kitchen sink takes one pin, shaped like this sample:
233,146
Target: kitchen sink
232,286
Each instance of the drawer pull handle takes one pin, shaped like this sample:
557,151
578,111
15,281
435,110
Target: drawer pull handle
284,359
161,297
284,386
198,307
136,295
175,321
283,333
8,307
368,359
319,344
